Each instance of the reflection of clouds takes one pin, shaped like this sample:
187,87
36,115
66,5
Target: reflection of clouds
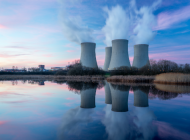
73,121
136,124
165,131
117,124
143,120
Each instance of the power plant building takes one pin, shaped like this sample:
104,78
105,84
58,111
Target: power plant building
140,55
120,56
88,55
108,54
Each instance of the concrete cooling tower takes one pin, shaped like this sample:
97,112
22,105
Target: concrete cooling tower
140,98
120,55
88,98
119,98
108,53
88,55
140,55
108,99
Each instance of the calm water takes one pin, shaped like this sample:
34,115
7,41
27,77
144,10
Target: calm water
87,111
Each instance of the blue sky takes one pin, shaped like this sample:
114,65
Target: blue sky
31,31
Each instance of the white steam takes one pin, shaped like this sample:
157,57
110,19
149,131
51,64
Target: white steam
73,28
117,24
145,21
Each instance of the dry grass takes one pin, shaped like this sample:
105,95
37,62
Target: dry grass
51,77
131,79
173,88
173,78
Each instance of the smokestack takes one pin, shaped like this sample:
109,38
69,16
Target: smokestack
140,55
108,53
141,98
88,98
108,99
120,55
119,98
88,55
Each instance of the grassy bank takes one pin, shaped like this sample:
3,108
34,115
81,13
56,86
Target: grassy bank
131,79
52,77
173,78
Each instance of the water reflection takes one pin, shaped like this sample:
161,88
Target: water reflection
88,115
108,98
141,96
119,94
133,124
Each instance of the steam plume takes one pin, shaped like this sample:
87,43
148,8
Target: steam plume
73,27
145,20
117,24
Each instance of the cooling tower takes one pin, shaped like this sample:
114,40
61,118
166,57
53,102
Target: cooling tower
140,98
88,55
108,53
120,55
88,98
140,55
108,99
119,98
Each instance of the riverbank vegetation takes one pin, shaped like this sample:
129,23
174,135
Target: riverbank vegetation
172,78
155,67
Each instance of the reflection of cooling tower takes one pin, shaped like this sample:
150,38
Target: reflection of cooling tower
41,83
119,99
120,55
88,55
140,55
140,98
88,98
108,54
108,99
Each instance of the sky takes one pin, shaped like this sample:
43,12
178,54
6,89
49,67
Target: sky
49,32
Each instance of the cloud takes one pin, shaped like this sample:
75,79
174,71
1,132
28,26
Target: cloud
145,21
167,19
73,27
117,24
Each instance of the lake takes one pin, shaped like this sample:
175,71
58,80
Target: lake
45,110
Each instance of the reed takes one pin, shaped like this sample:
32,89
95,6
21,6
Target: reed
173,78
173,88
52,77
131,79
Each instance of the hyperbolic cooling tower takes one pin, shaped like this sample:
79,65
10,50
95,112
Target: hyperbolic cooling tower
88,98
108,53
108,99
140,55
140,98
119,98
120,55
88,55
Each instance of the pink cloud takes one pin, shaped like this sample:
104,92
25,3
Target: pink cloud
48,55
2,27
70,50
2,122
70,98
167,19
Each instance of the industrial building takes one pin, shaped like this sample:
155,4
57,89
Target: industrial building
88,55
108,53
119,98
88,98
120,56
140,55
141,98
